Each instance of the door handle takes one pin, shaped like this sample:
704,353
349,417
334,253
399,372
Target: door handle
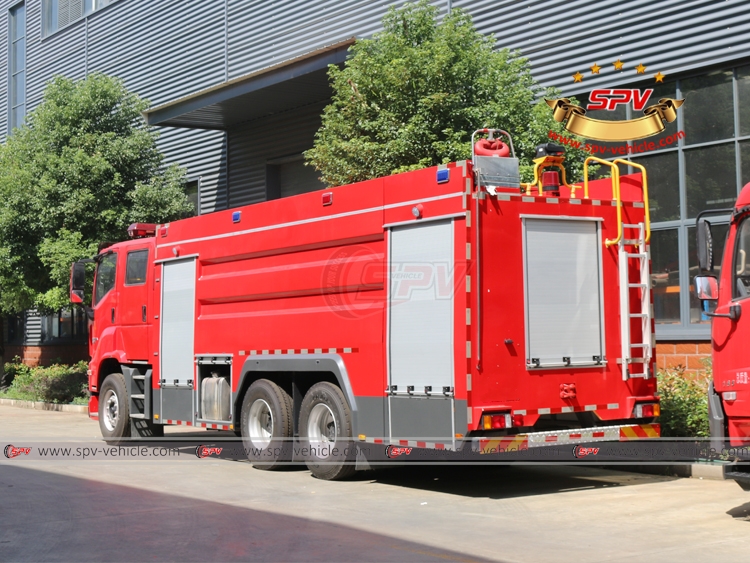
143,313
113,315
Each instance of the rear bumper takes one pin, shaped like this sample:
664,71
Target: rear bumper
557,437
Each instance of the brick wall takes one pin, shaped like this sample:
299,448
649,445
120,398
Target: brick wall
47,355
685,354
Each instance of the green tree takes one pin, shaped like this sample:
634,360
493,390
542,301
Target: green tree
411,96
82,168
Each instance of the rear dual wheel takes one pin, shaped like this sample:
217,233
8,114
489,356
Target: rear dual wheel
325,428
326,432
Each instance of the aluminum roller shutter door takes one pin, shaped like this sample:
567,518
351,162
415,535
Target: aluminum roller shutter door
178,321
421,306
563,292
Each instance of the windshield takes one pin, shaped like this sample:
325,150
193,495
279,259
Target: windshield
105,276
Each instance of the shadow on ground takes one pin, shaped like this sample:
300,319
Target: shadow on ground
49,517
506,481
486,480
741,512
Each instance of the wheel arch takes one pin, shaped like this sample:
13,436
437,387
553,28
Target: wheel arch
298,370
106,367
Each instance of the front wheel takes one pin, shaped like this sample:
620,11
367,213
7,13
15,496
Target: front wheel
266,425
114,415
326,432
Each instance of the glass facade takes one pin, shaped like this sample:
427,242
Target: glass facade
705,169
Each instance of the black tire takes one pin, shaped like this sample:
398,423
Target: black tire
326,432
266,425
114,408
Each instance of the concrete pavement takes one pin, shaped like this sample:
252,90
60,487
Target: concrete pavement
207,509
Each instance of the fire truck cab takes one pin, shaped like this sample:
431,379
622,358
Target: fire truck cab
724,296
442,308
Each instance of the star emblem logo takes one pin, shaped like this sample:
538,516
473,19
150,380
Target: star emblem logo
640,69
618,64
659,77
578,77
595,69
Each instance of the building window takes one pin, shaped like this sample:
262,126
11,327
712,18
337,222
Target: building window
17,63
65,325
704,170
58,14
193,193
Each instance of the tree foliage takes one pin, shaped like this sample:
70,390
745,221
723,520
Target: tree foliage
411,96
684,402
82,168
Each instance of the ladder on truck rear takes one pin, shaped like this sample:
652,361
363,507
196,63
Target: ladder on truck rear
635,249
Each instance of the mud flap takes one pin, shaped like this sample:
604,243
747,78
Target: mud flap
716,421
140,428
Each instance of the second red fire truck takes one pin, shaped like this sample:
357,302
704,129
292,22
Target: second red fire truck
724,293
442,308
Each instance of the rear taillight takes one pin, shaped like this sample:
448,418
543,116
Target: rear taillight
500,421
649,410
496,421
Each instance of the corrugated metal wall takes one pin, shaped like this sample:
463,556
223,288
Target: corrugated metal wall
669,36
251,146
264,33
204,154
33,328
62,53
164,49
4,40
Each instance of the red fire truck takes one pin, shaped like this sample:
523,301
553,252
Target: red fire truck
443,308
724,299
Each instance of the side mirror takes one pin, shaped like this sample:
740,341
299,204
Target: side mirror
706,287
704,246
77,282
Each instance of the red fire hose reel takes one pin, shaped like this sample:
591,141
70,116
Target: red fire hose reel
491,147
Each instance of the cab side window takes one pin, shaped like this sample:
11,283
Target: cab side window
135,269
741,265
105,276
